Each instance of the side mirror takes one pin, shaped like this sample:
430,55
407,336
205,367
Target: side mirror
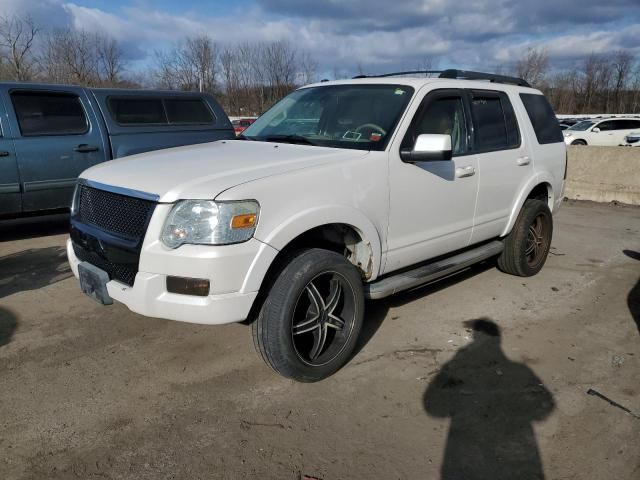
595,130
429,147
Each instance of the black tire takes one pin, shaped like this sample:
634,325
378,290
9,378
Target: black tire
527,246
318,293
579,142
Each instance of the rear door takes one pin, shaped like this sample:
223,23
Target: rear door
57,137
10,199
503,160
611,134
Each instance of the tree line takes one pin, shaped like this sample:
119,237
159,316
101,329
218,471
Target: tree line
248,77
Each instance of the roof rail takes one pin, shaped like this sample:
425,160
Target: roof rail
396,74
469,75
456,74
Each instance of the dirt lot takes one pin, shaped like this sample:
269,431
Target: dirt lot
99,392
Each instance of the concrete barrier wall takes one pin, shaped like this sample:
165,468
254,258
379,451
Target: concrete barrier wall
604,174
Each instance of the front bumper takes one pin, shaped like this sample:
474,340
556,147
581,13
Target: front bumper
235,273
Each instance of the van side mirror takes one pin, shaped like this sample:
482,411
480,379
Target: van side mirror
595,130
429,147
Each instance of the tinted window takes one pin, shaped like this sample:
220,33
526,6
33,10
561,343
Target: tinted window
544,120
513,131
628,124
490,124
444,116
141,111
47,113
187,110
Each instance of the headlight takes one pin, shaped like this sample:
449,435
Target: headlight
205,222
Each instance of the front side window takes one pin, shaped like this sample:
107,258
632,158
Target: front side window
581,126
49,113
342,116
444,116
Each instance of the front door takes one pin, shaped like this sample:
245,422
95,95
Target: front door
10,201
432,203
57,137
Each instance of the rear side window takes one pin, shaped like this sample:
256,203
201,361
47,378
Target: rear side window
542,118
187,110
49,113
496,127
135,111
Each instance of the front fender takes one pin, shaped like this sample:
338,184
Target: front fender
283,233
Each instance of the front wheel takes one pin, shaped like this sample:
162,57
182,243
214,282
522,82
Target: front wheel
309,323
579,142
527,246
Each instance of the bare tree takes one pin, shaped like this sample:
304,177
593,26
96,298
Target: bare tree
110,60
189,66
622,63
533,66
17,36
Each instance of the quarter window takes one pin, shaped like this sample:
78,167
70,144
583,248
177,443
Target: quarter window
49,113
543,119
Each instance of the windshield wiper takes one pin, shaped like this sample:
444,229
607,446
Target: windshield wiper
297,139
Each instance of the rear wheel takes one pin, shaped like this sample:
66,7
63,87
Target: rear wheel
527,246
309,323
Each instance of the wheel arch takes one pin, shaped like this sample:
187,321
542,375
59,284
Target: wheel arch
539,187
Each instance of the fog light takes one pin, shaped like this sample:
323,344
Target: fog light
188,286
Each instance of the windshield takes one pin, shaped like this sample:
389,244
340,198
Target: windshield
343,116
584,125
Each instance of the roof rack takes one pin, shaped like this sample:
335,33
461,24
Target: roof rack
457,74
469,75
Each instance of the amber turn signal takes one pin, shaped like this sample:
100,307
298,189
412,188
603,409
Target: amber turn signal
247,220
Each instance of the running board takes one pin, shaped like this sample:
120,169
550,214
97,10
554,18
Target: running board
430,272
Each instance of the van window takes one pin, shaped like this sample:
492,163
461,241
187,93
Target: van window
187,110
489,122
135,111
49,113
543,119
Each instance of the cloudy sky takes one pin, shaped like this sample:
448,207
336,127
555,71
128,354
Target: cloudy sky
377,35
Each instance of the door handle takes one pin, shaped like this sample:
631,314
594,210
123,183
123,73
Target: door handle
522,161
4,153
467,171
84,148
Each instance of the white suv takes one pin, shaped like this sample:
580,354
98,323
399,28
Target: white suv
610,132
342,191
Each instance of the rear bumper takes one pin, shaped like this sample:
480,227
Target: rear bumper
148,295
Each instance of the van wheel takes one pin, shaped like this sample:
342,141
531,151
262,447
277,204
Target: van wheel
527,246
309,323
579,142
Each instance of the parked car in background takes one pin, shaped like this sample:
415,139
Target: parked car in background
564,126
342,191
51,133
633,139
606,132
241,124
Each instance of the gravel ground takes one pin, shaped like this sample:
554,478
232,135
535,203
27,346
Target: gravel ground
480,376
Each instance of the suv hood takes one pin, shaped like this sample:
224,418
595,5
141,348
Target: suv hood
206,170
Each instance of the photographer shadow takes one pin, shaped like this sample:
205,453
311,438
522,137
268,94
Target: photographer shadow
492,403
